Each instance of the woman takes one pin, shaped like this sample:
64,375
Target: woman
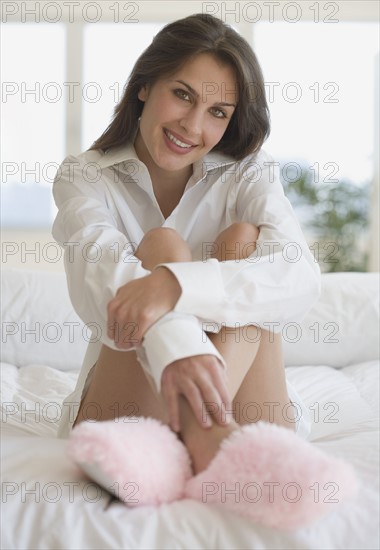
182,253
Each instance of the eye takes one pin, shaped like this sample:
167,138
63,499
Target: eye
218,113
182,94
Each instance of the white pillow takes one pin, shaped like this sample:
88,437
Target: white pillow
39,324
342,328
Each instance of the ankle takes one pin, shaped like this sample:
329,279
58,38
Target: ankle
203,443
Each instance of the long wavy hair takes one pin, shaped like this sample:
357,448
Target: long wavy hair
170,49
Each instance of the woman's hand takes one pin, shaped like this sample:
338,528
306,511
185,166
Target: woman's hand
139,304
202,381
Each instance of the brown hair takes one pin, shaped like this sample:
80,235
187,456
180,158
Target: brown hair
176,43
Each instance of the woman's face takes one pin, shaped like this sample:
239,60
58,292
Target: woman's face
186,114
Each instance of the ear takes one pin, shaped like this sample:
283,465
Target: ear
143,93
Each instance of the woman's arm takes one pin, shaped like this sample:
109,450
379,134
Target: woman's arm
276,284
87,230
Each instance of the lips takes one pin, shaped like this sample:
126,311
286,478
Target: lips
178,140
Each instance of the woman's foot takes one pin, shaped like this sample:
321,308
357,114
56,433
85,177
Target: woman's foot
203,444
140,460
270,475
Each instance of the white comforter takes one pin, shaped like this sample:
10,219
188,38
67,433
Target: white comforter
49,504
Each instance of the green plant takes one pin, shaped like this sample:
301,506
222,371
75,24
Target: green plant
335,215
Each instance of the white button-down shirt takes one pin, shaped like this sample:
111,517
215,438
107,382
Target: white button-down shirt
106,204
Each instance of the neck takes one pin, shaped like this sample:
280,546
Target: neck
162,179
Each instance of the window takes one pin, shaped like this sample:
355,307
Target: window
62,81
33,120
320,81
321,87
110,52
41,99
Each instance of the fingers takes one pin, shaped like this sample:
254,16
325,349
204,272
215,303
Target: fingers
214,406
201,381
124,336
193,396
136,306
118,330
196,402
171,396
122,326
224,402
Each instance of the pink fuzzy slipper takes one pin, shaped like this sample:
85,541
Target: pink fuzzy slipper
274,477
138,459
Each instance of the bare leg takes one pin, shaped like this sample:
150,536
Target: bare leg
256,365
119,386
263,394
162,245
256,378
119,379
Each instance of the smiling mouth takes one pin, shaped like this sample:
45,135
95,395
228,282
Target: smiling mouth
176,141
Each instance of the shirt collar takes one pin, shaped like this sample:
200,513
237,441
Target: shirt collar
209,162
117,155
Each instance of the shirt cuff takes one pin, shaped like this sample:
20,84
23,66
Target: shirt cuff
200,282
174,336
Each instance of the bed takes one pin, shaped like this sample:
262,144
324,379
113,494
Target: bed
332,359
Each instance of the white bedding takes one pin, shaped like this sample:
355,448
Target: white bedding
47,503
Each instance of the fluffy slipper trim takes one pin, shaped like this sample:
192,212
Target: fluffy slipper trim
274,477
138,459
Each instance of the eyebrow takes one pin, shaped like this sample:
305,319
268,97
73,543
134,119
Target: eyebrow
194,92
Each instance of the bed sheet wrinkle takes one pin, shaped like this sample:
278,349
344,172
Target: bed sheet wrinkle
342,401
32,398
32,454
333,399
364,376
9,382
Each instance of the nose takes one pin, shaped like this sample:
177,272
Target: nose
192,122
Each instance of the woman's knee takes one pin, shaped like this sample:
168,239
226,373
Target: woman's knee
236,242
160,234
162,244
243,231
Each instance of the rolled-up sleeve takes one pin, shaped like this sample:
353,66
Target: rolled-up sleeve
175,336
99,259
86,229
277,283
